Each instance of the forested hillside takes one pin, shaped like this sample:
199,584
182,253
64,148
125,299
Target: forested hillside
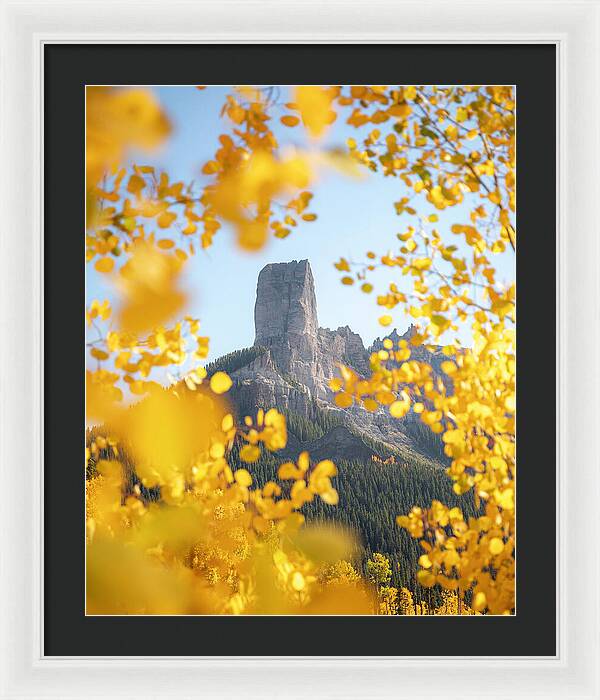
371,494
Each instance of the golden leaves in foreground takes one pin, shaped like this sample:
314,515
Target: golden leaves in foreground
243,197
117,120
317,482
211,544
220,382
148,286
134,358
478,431
167,431
314,104
449,146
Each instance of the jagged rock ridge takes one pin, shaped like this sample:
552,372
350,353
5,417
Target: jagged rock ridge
293,361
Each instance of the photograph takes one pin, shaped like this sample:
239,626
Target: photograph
300,350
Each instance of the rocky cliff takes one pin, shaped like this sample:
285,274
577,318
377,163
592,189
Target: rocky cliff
285,318
293,360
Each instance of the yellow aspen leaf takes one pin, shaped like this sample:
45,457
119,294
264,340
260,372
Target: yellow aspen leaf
288,470
343,400
211,167
440,323
252,235
138,387
347,280
260,524
105,265
111,196
426,578
217,450
290,120
298,581
421,263
166,244
335,384
303,461
99,354
399,409
149,292
117,120
136,184
250,453
401,110
342,265
370,404
479,601
243,477
331,497
461,114
220,382
454,436
451,558
165,219
496,546
190,229
271,489
309,217
227,423
314,104
367,288
189,382
385,320
448,367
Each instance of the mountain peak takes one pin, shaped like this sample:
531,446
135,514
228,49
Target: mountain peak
285,301
394,336
293,361
410,332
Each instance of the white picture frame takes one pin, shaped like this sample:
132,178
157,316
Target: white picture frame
574,27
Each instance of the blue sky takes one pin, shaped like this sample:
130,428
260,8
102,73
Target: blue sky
354,215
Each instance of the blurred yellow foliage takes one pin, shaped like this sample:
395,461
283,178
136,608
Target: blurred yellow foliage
148,286
117,120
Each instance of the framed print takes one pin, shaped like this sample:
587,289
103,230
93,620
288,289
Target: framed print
295,309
